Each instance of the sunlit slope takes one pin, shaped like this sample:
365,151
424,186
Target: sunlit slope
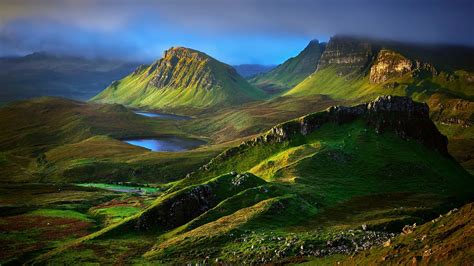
345,158
292,71
183,78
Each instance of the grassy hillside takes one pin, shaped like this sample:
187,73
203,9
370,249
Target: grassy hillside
443,240
264,201
183,79
59,140
292,71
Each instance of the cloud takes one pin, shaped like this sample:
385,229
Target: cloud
141,28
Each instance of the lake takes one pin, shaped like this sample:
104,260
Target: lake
170,144
162,115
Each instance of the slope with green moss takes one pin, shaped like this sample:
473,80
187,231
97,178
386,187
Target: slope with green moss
322,166
183,79
292,71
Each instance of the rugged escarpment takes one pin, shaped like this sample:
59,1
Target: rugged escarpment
182,78
347,54
401,115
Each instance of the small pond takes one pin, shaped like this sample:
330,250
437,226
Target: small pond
162,115
171,143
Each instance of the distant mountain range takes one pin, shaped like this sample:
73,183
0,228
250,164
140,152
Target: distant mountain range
250,70
43,74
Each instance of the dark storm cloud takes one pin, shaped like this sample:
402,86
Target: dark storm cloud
143,28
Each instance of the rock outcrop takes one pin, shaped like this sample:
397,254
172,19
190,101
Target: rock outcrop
347,55
401,115
184,205
390,64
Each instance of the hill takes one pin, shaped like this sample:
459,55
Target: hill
42,74
182,79
56,140
446,240
304,188
292,71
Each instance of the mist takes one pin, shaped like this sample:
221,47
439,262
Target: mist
236,32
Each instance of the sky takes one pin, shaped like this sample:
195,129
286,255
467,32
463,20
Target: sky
233,31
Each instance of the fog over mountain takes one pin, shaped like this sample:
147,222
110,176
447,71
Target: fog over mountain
263,32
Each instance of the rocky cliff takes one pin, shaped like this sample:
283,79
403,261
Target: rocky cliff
347,54
390,64
401,115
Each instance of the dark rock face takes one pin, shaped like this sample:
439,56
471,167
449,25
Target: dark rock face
401,115
347,54
408,119
177,210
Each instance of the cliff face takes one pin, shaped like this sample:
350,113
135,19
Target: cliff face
401,115
390,64
347,54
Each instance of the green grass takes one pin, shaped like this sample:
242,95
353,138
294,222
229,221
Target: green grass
116,187
323,181
59,140
60,214
116,214
187,86
291,72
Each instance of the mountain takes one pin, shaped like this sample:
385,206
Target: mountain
292,71
43,74
356,69
250,70
182,79
303,189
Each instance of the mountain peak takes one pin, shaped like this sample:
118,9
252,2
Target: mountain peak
184,52
182,78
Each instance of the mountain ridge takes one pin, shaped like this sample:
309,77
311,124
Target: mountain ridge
292,71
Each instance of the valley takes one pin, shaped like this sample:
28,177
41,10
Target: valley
324,159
